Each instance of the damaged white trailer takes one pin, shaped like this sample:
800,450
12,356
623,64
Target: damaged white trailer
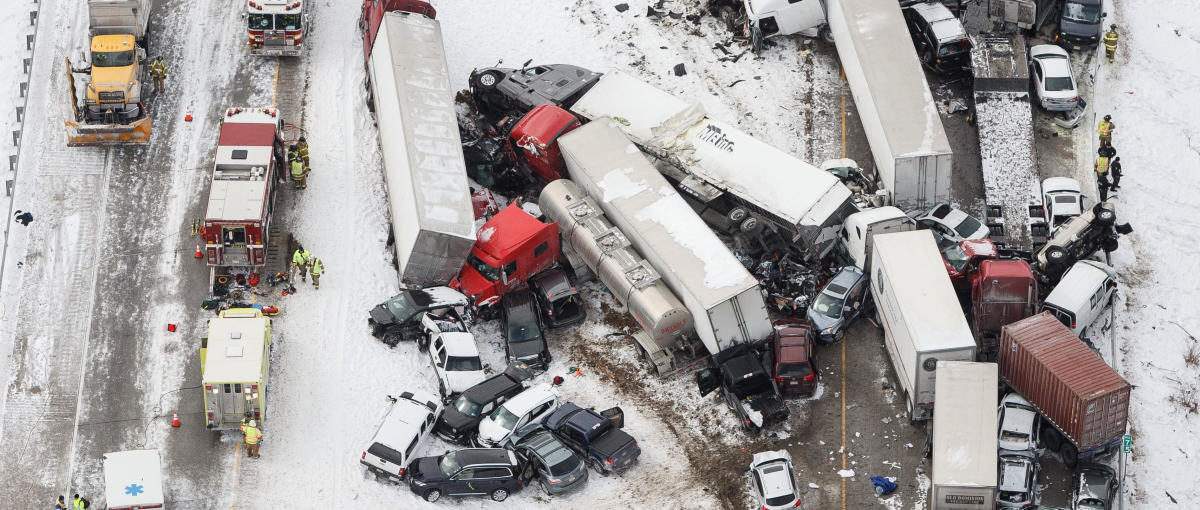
429,198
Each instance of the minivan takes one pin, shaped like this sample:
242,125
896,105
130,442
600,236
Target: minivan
1084,292
409,420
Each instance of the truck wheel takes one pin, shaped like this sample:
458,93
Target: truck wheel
1070,455
1109,244
488,80
1105,217
499,495
391,338
737,214
433,495
1055,255
749,225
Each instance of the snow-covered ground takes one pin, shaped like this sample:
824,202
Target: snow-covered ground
1151,93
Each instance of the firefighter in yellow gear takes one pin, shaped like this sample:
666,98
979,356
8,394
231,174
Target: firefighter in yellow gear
251,436
1105,130
317,269
299,173
158,71
1110,42
302,150
300,260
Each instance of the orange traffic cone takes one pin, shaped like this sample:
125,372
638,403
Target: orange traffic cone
187,117
175,423
199,254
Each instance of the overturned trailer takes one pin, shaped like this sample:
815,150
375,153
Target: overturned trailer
429,198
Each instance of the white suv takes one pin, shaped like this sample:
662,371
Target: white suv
527,407
1062,200
408,422
456,361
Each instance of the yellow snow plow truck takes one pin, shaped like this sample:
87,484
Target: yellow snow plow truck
106,92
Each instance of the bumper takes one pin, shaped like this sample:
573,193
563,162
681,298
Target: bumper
1078,41
797,391
555,490
382,474
276,51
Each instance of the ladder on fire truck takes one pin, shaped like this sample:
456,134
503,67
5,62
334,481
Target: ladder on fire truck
279,250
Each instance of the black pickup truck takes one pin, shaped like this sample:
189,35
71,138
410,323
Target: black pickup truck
607,448
746,386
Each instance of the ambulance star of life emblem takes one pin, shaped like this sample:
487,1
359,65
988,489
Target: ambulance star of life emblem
134,489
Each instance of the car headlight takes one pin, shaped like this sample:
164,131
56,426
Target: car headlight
418,482
827,331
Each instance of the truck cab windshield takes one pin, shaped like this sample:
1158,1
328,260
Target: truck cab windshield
1081,13
489,272
287,22
260,22
113,58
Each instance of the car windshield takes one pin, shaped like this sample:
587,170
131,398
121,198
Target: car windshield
781,500
1065,199
828,306
1059,84
449,463
287,22
488,272
505,419
794,369
968,226
1090,504
259,21
520,333
1014,496
1013,435
561,462
466,406
401,307
1080,13
956,257
112,58
463,363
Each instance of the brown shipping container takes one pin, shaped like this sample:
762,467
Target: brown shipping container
1069,383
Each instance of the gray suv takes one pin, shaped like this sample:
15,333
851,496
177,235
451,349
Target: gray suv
839,303
558,469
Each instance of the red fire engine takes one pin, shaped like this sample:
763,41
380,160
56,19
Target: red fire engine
249,162
276,27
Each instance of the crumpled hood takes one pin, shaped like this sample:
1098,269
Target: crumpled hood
382,316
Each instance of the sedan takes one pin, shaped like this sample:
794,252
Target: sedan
1094,487
1018,481
838,304
1062,200
774,480
1050,67
1019,424
951,224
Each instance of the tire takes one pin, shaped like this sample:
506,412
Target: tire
737,214
1109,244
391,338
1105,217
432,495
1055,255
1070,455
749,225
499,495
488,80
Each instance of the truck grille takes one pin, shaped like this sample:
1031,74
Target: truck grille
112,96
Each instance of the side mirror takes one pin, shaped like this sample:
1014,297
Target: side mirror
504,277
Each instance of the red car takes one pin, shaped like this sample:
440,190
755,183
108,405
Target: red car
795,366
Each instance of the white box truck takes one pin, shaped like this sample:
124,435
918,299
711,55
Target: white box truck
429,197
964,436
235,364
913,160
919,311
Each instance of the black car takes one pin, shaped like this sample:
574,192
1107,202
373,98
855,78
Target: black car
462,416
523,338
492,472
399,317
560,302
502,91
558,468
939,37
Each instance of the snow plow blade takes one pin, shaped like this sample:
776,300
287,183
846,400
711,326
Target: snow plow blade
134,133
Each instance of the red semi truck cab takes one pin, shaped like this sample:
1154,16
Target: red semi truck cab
509,248
533,141
963,259
237,221
1003,291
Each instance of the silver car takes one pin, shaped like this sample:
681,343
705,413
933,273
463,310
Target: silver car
558,469
838,304
1094,487
774,480
1018,480
1018,425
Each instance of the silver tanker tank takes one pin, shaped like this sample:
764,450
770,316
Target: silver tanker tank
607,252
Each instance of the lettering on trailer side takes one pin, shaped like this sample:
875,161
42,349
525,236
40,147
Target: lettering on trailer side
714,136
961,499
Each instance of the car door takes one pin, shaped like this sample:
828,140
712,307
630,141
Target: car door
462,482
490,479
1037,78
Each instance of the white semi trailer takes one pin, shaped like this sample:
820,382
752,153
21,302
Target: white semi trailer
724,299
429,198
964,436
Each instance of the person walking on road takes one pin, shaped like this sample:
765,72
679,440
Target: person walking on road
317,269
1115,169
158,71
299,174
61,503
77,502
1110,42
1102,186
300,260
302,150
252,438
23,217
1105,130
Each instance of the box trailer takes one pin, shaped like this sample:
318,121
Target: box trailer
1081,396
1004,119
913,160
722,167
919,311
724,299
133,480
964,436
429,198
113,17
234,367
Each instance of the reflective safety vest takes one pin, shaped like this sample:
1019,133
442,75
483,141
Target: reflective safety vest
253,435
302,148
317,267
297,168
300,258
1105,128
1110,39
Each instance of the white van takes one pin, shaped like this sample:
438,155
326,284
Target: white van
1084,292
408,422
525,408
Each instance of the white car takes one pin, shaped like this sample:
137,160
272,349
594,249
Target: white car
527,407
774,480
1018,425
409,421
1050,68
952,224
1062,200
1019,476
456,362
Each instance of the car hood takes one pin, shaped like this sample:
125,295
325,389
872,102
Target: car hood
527,348
458,382
460,422
382,316
490,432
821,321
428,470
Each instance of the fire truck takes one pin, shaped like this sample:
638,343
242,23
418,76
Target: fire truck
248,169
276,27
